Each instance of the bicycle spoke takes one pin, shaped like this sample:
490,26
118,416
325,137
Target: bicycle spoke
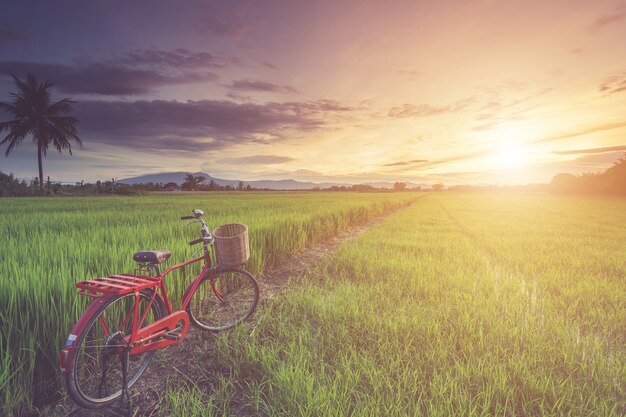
97,379
224,300
105,328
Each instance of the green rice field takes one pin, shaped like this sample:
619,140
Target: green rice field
50,243
457,304
461,305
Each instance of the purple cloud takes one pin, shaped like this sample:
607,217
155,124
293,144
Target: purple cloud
197,125
9,35
259,160
263,86
223,26
269,65
176,58
103,78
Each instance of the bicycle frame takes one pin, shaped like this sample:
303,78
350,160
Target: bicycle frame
141,339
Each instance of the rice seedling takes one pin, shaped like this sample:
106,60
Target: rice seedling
471,305
51,243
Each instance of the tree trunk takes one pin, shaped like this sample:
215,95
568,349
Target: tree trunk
40,160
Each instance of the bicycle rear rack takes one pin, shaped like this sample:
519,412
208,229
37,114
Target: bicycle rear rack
116,285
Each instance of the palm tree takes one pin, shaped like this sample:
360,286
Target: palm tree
191,182
33,115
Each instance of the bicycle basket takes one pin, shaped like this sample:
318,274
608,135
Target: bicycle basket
231,245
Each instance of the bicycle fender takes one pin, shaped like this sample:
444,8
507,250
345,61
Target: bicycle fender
69,350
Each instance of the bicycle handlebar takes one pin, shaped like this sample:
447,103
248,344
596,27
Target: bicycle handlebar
196,241
206,238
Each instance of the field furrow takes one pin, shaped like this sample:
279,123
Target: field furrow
435,313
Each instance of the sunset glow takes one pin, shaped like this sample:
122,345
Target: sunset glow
355,91
512,156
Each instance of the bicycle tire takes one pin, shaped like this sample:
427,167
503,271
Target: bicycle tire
79,389
239,291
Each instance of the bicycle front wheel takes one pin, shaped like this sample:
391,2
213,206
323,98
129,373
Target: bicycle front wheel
224,299
95,375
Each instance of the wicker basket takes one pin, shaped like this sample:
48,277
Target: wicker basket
231,245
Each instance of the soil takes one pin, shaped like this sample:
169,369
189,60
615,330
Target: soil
190,363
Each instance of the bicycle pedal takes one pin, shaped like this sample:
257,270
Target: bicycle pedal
171,336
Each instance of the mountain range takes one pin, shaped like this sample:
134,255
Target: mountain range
288,184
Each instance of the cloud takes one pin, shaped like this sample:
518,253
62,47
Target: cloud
302,171
259,160
409,74
614,84
269,65
264,86
599,161
605,20
176,58
403,163
574,133
223,26
580,132
103,78
484,126
425,110
545,139
9,35
420,110
329,105
195,126
592,150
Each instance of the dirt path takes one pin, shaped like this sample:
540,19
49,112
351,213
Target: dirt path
191,363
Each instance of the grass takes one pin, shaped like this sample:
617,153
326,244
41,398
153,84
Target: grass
50,243
474,305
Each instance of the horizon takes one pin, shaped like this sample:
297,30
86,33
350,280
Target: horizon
477,92
410,184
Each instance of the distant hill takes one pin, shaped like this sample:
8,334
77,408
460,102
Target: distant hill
288,184
179,178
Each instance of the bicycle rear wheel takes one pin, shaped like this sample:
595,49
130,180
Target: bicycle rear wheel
224,299
94,377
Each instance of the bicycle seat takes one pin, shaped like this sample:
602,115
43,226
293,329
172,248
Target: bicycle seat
152,256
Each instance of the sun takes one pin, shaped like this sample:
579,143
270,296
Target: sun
511,156
511,149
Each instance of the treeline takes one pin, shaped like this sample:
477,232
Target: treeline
11,186
612,181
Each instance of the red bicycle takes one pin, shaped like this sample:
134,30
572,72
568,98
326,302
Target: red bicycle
131,317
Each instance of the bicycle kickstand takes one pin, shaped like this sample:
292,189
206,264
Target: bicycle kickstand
125,392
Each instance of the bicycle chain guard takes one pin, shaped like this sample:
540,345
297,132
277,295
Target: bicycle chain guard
161,333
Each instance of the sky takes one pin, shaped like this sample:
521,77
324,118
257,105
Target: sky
459,92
